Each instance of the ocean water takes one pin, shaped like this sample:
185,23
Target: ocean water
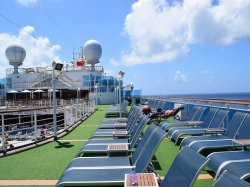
238,96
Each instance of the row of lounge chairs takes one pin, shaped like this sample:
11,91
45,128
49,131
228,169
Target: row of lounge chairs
214,119
156,104
110,170
115,110
217,137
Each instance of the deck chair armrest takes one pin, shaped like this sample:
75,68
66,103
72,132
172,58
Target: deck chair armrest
245,143
121,135
195,123
214,131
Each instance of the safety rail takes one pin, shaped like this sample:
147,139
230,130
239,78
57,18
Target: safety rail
20,127
235,104
48,70
6,104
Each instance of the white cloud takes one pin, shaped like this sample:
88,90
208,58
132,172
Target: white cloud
39,51
114,62
208,76
211,79
180,77
160,31
27,2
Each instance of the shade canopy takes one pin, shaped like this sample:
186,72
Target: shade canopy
51,90
26,91
38,91
13,91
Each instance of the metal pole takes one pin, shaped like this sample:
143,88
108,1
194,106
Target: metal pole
72,113
77,96
19,119
117,94
83,109
132,93
65,117
50,103
3,137
77,112
54,105
35,125
120,100
96,99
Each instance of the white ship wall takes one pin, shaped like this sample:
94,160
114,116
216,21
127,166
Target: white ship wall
72,79
103,98
22,81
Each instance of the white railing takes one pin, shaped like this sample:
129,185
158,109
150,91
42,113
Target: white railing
25,126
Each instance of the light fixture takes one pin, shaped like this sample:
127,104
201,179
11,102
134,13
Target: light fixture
57,66
120,75
96,97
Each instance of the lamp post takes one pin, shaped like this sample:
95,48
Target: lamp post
117,95
96,92
132,88
119,77
56,68
78,94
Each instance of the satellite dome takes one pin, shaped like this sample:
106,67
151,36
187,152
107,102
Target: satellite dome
15,54
92,50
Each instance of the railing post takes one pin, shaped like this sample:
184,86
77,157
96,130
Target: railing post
19,119
35,124
65,118
72,112
76,112
87,105
3,136
54,105
227,108
83,109
76,115
80,111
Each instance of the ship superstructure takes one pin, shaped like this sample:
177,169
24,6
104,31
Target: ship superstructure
80,79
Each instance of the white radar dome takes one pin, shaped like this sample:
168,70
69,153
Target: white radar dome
15,54
92,50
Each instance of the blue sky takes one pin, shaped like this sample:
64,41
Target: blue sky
177,47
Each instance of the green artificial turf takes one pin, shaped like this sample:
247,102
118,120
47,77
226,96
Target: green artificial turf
164,157
32,186
44,162
204,183
48,161
86,129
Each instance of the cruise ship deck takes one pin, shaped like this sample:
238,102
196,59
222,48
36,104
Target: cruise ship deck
46,164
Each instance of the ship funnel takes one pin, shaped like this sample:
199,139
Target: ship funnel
15,54
92,50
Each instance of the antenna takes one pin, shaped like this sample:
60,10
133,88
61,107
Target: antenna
92,51
15,54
